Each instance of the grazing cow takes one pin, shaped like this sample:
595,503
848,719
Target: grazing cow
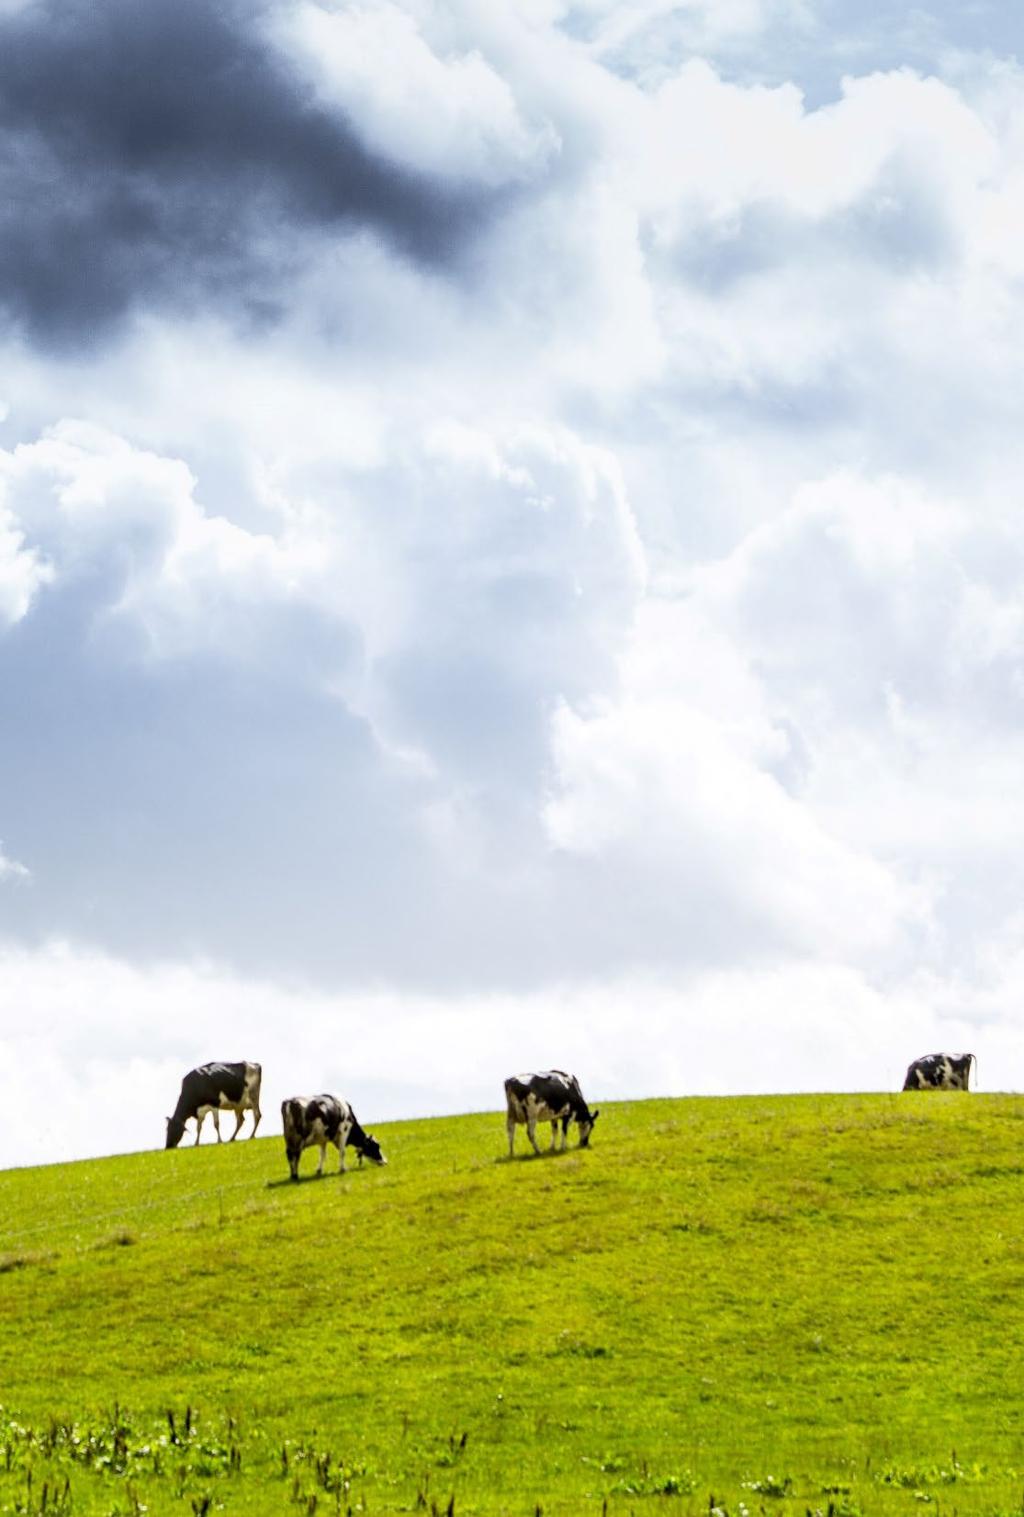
216,1088
550,1097
324,1119
940,1071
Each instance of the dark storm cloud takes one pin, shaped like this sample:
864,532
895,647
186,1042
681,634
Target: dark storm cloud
162,153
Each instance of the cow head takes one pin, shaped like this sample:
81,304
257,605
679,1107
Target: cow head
293,1153
586,1127
175,1132
370,1149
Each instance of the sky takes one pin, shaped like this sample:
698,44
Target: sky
510,551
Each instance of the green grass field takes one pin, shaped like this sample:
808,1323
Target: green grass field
786,1305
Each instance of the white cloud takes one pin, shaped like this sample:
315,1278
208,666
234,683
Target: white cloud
22,571
768,225
90,500
529,505
869,591
657,791
452,115
583,290
11,869
638,33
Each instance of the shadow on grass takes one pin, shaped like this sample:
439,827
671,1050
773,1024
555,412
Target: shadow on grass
314,1178
545,1153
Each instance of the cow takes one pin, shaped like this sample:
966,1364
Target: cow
324,1119
940,1071
216,1088
550,1097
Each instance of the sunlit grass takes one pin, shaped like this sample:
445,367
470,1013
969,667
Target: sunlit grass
791,1304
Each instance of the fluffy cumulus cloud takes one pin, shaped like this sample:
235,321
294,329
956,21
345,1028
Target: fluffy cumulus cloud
21,572
449,115
94,504
509,549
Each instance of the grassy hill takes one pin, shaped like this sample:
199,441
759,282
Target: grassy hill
786,1304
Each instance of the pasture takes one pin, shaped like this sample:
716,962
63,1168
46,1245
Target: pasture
785,1305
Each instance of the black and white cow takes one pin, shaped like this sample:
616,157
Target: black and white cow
940,1071
216,1088
550,1097
324,1119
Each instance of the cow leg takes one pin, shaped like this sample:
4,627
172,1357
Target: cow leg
323,1156
341,1159
256,1114
239,1118
565,1133
215,1114
554,1132
531,1132
200,1119
511,1125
